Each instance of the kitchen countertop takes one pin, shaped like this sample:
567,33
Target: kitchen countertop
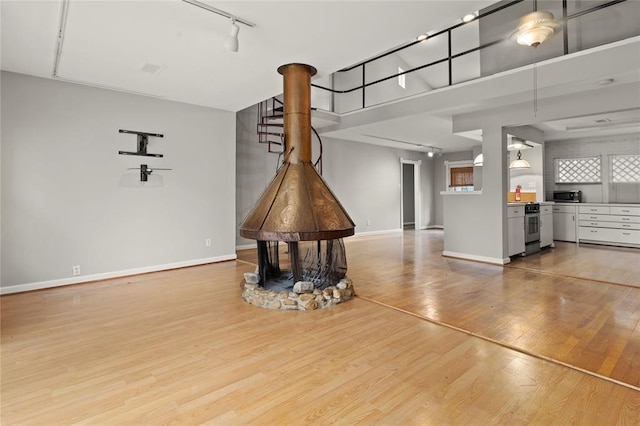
600,204
520,203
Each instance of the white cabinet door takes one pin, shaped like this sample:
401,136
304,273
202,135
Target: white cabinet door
546,230
564,227
516,235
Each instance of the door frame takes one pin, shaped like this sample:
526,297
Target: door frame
417,199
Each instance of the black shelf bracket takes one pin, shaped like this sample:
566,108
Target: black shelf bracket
143,140
145,171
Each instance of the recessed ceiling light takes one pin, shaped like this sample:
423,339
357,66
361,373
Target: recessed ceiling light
469,17
605,81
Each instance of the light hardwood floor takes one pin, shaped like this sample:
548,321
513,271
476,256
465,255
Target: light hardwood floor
182,347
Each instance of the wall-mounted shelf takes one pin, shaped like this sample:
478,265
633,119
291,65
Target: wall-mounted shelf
143,140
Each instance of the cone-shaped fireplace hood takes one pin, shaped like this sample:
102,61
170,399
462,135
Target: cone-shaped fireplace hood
297,205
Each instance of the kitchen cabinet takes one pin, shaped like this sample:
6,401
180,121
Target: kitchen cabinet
564,222
515,216
546,225
609,224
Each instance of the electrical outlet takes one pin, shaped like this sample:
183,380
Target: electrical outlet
207,242
75,270
368,222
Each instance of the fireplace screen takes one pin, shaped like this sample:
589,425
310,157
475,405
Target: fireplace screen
322,263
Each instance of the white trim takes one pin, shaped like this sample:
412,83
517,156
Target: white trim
454,164
493,260
246,246
417,191
386,231
461,192
19,288
402,79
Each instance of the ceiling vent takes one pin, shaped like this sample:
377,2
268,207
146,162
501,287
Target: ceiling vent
151,68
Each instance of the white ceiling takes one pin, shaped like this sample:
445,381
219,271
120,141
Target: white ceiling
110,43
106,43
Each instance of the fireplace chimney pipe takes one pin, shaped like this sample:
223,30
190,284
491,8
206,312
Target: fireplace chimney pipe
297,111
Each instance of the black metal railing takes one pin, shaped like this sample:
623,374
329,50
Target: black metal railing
450,57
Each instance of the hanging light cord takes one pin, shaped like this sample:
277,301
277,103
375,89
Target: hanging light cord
535,70
535,84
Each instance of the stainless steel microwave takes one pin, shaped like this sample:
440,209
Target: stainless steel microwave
567,196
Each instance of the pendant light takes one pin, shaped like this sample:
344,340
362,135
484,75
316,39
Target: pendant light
519,163
534,29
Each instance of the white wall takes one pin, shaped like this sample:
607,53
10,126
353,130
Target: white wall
530,180
255,168
415,82
603,146
366,180
440,181
475,224
61,203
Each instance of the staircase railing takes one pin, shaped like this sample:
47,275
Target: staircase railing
270,129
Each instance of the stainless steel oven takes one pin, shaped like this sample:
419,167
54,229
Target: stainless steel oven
531,228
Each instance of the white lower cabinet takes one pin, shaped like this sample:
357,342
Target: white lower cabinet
564,223
546,225
615,225
515,216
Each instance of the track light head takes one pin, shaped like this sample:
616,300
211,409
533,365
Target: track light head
231,41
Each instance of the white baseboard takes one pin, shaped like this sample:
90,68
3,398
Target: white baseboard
19,288
485,259
385,231
246,246
435,227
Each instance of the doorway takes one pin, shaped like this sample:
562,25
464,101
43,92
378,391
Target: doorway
410,204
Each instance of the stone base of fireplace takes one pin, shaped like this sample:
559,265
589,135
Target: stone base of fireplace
286,300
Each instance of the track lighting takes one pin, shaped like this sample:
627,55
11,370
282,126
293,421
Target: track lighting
469,17
231,41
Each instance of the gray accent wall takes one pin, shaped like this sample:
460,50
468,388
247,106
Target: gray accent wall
61,200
